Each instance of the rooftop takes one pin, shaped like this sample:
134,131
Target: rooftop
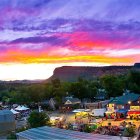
61,134
4,112
72,100
126,98
6,116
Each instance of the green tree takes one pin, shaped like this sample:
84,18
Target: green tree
5,99
133,81
37,119
4,93
21,96
36,93
113,85
58,89
93,89
80,88
56,83
48,90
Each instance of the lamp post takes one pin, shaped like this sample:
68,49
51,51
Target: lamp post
129,102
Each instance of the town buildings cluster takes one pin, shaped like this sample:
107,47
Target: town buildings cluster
125,107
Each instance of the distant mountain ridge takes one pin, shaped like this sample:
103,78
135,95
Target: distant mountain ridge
72,73
22,81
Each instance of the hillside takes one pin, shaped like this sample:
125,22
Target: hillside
71,73
137,65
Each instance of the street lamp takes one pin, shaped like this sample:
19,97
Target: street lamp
129,102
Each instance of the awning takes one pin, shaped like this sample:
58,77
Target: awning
109,112
78,110
122,111
21,108
14,112
133,112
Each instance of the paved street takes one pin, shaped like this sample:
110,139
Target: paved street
21,123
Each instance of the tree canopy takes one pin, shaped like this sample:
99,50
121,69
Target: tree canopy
114,85
38,119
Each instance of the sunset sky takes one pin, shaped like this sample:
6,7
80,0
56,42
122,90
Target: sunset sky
37,36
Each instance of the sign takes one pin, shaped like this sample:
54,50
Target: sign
135,108
111,107
133,112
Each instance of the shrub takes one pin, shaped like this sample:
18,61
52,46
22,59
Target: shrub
88,129
130,131
12,136
37,119
21,129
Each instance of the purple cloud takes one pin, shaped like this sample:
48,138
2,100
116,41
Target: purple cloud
53,40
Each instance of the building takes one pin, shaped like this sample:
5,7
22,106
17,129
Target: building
50,103
125,101
123,104
72,101
96,105
69,103
7,121
49,133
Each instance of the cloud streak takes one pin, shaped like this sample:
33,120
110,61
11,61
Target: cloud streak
51,31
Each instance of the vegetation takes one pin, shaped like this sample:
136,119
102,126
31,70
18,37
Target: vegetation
130,131
37,119
114,85
11,136
35,93
88,129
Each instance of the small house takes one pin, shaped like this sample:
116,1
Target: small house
124,105
7,121
96,105
72,101
69,103
51,103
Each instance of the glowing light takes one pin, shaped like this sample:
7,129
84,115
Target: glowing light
129,102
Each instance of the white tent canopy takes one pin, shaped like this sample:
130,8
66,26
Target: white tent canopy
21,108
14,112
78,110
18,108
24,108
